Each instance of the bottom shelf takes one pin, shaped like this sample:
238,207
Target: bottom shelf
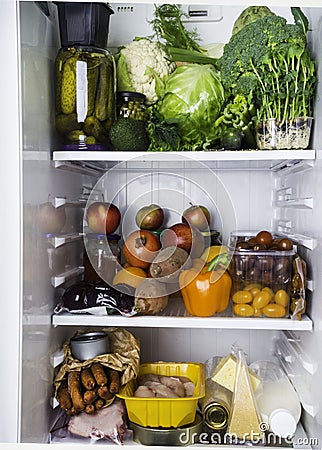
300,441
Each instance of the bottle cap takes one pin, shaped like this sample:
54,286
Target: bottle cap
282,423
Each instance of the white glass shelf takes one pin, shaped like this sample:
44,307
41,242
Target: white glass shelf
236,323
240,155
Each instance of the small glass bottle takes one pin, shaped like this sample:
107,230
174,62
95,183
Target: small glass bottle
101,257
131,104
216,404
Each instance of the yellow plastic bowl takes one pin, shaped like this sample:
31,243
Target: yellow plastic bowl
165,412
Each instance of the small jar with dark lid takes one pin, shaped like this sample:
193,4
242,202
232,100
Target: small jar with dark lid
131,104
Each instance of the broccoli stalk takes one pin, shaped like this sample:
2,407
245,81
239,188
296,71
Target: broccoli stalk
269,60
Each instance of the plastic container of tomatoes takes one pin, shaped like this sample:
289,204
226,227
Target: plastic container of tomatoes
261,272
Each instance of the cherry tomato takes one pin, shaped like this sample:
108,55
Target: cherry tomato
251,286
282,298
271,292
285,244
274,310
257,312
242,297
254,292
261,299
264,237
243,310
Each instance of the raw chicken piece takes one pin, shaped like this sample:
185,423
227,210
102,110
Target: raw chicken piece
183,379
107,423
153,385
189,388
144,391
163,391
174,384
148,377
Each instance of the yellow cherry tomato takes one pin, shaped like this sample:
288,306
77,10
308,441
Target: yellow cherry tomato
242,297
274,310
255,291
251,286
243,310
257,312
130,275
261,299
282,298
268,289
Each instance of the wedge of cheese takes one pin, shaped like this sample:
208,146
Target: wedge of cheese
244,422
225,374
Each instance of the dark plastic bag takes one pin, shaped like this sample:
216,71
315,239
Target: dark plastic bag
97,298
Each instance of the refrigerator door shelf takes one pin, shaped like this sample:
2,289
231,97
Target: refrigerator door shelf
58,280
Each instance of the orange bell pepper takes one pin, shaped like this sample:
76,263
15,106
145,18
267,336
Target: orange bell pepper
205,292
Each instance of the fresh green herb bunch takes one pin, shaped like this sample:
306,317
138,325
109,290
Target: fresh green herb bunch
269,59
167,25
164,136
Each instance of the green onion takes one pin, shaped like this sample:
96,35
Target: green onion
184,55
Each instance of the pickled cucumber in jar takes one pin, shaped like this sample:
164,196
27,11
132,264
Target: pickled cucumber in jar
131,104
85,96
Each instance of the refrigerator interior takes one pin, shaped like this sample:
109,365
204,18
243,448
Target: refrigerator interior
243,195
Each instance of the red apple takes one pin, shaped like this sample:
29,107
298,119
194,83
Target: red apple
103,217
184,236
140,248
50,219
149,217
197,216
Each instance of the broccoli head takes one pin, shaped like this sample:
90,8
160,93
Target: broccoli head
266,59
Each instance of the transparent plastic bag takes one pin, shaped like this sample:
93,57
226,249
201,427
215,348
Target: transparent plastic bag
244,421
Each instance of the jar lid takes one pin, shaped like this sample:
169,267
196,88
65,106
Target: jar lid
131,96
282,423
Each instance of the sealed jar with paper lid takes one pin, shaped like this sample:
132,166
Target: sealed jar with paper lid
85,77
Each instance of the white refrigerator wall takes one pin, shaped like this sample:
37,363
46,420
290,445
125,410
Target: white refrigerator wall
242,198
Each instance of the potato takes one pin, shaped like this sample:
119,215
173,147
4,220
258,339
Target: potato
150,297
167,264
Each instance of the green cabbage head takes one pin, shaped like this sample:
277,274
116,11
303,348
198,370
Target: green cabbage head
193,97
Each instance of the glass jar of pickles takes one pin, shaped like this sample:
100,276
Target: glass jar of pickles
85,96
131,104
85,79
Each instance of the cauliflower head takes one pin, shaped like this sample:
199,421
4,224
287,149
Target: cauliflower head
138,64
